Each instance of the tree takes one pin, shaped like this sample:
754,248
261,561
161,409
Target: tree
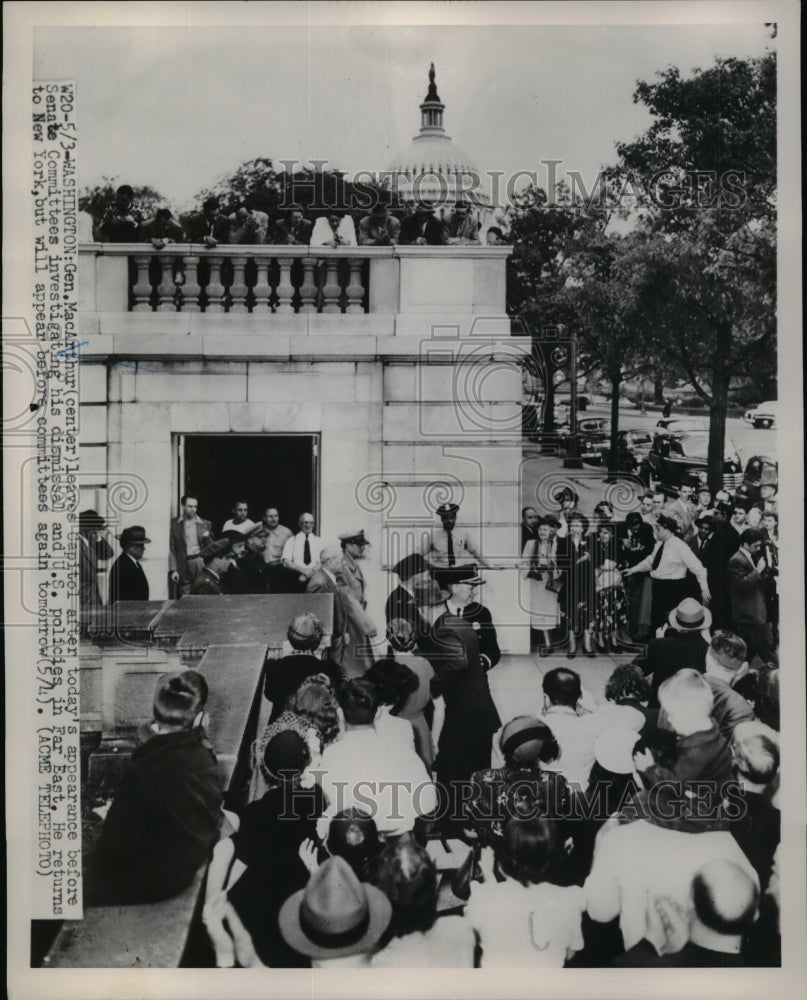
706,173
95,200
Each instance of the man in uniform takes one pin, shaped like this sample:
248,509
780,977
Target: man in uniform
360,627
450,546
127,581
189,534
217,557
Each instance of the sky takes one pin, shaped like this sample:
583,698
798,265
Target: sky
177,108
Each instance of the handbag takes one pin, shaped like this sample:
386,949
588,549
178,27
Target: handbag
555,583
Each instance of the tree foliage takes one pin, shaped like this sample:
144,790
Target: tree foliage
95,200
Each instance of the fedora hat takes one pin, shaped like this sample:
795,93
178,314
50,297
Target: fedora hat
90,520
690,616
136,534
410,565
336,915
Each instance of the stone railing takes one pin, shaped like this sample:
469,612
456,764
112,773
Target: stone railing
189,278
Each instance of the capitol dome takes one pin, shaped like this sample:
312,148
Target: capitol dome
434,167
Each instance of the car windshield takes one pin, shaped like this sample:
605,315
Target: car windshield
639,438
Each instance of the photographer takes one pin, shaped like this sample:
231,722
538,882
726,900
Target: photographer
751,579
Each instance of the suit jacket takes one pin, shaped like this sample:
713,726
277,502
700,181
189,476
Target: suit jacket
478,615
644,542
285,675
88,556
411,230
252,229
320,583
207,583
178,549
401,604
747,588
374,233
462,680
462,229
284,234
197,226
126,581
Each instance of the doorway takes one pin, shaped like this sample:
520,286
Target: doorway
265,470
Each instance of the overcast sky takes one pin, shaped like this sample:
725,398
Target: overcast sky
176,108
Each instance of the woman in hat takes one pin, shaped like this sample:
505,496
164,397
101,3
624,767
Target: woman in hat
416,938
577,595
352,835
541,570
610,605
259,866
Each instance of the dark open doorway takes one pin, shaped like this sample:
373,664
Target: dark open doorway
265,470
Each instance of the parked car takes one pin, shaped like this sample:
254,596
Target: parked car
676,457
683,424
764,415
633,447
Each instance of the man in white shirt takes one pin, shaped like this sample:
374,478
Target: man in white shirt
450,546
240,520
301,552
373,772
274,536
334,230
668,565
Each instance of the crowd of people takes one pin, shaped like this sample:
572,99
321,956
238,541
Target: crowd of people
642,831
123,221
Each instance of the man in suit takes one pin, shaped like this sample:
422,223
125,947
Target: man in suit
217,557
359,654
422,228
413,574
92,547
208,226
463,648
188,536
294,231
722,545
379,228
324,580
248,225
529,526
699,543
462,229
127,581
162,229
750,581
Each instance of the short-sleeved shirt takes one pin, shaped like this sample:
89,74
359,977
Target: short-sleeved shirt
275,540
244,526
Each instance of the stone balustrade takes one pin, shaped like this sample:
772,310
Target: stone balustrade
287,280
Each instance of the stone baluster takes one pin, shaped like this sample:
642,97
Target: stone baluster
189,291
166,290
285,289
262,290
142,287
355,289
238,289
308,289
215,289
331,290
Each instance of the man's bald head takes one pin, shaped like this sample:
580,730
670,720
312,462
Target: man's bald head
725,897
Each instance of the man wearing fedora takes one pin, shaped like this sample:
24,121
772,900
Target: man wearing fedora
684,644
189,533
127,581
92,548
462,229
379,228
449,546
217,558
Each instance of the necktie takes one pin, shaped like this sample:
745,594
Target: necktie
307,552
657,557
451,559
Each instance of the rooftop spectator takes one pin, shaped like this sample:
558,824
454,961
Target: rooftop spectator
121,220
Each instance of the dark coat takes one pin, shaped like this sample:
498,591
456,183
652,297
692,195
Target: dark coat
577,568
673,652
162,823
477,614
748,588
283,234
401,604
88,556
197,226
207,583
632,548
411,230
177,546
461,678
127,581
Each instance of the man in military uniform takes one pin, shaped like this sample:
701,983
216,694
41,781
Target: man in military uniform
449,546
